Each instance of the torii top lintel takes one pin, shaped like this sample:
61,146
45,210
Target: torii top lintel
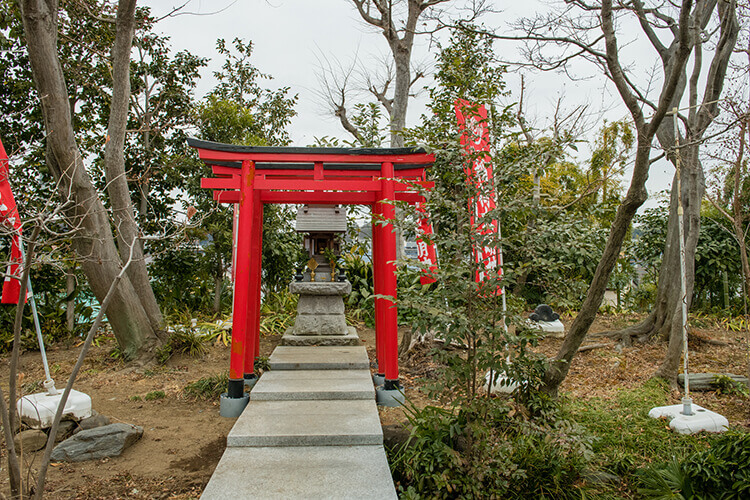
314,175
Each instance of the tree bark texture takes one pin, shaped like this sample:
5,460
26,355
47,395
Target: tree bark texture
94,242
737,222
123,215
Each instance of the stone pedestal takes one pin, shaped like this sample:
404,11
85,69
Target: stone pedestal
320,315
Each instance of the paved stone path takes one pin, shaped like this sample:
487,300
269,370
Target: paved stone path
311,430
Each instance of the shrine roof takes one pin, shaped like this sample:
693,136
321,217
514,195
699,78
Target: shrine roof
232,148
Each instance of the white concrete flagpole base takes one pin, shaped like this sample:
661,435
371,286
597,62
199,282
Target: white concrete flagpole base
699,420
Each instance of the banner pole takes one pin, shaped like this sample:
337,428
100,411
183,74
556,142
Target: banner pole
49,384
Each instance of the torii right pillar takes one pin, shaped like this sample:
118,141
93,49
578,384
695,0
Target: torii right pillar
384,277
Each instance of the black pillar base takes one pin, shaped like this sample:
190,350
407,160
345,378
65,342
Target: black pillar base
391,385
236,388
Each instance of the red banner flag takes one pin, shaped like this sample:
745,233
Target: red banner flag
426,252
475,138
9,217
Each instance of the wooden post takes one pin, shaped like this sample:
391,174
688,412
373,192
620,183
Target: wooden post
253,318
389,284
377,274
236,386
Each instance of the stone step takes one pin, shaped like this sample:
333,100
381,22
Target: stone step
335,472
351,339
307,423
295,385
319,358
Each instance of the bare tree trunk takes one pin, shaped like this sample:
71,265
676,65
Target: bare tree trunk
693,182
381,16
94,242
123,215
659,322
664,319
636,195
402,58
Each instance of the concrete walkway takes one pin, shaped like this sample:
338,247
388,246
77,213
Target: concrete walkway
311,430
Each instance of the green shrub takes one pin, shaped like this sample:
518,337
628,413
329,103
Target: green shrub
727,385
484,450
360,302
207,387
277,312
183,340
262,363
154,395
719,472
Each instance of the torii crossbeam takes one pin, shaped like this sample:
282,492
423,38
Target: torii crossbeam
252,176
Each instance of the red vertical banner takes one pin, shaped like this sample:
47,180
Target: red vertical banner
475,138
426,252
10,218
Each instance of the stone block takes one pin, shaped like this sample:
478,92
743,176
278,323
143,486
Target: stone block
65,429
30,440
307,423
94,421
321,340
319,358
332,472
291,385
321,324
320,304
106,441
320,287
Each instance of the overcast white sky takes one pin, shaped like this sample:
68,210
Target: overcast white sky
289,37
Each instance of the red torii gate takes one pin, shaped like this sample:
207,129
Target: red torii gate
251,177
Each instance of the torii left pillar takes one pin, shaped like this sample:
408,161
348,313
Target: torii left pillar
384,271
246,317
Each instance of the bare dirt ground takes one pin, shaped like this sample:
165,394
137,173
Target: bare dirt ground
184,439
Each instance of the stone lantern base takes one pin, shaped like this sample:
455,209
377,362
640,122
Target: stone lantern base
320,315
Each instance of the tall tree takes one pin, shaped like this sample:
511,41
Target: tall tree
702,108
731,193
594,31
397,21
123,214
241,110
133,314
161,108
